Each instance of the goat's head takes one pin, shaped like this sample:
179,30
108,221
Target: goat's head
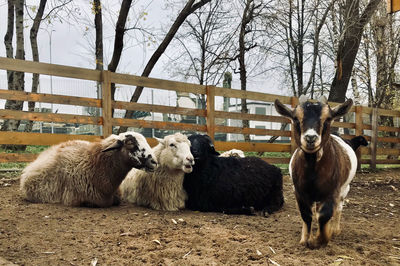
202,147
134,150
175,153
312,121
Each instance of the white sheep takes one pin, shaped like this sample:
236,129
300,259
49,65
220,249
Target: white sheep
233,153
162,189
82,173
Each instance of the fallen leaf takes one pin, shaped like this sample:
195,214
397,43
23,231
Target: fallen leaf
258,252
93,262
274,262
273,251
187,254
157,241
173,220
345,257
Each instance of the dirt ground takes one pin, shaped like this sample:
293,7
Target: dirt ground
46,234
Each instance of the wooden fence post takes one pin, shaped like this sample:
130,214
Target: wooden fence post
210,108
106,103
359,131
374,137
293,145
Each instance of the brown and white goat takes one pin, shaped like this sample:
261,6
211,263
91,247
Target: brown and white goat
321,168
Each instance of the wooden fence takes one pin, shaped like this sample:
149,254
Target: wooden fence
383,139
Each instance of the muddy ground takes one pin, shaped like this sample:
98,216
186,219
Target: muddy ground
47,234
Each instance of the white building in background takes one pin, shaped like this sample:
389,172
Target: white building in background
259,108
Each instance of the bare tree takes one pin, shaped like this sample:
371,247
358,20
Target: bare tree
348,45
119,40
189,8
35,56
18,77
298,31
99,52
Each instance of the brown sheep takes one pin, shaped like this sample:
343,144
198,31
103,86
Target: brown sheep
82,173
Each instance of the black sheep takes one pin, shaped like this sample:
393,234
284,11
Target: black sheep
354,142
230,184
357,142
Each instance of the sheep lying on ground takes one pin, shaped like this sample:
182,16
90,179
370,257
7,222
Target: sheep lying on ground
230,184
162,189
233,153
322,166
82,173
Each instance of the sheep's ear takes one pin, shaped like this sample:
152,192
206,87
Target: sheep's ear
283,110
213,151
116,145
342,109
161,141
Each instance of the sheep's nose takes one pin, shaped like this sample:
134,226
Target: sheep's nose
311,138
153,161
190,159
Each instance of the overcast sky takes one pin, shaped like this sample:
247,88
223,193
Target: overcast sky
69,44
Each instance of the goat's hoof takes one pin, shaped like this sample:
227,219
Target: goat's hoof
316,243
336,232
303,242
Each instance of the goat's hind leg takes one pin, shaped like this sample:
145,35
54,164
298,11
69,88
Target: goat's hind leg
337,217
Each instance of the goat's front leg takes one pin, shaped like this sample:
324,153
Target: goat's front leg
306,215
324,232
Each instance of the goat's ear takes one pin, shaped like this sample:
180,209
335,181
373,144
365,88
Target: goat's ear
342,109
115,145
283,110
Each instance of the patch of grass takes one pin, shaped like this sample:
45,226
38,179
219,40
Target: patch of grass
12,165
29,149
268,154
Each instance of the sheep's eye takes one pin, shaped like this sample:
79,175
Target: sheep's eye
296,120
172,145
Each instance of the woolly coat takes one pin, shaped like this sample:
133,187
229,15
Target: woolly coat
75,173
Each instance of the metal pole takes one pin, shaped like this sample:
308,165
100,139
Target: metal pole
51,80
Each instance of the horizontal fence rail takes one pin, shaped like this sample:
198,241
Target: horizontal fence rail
384,138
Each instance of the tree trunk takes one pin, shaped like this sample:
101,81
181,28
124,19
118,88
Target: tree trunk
18,79
189,8
8,41
98,22
246,18
348,46
35,56
119,40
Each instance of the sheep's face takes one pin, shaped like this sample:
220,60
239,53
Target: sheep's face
176,153
312,121
202,147
135,151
